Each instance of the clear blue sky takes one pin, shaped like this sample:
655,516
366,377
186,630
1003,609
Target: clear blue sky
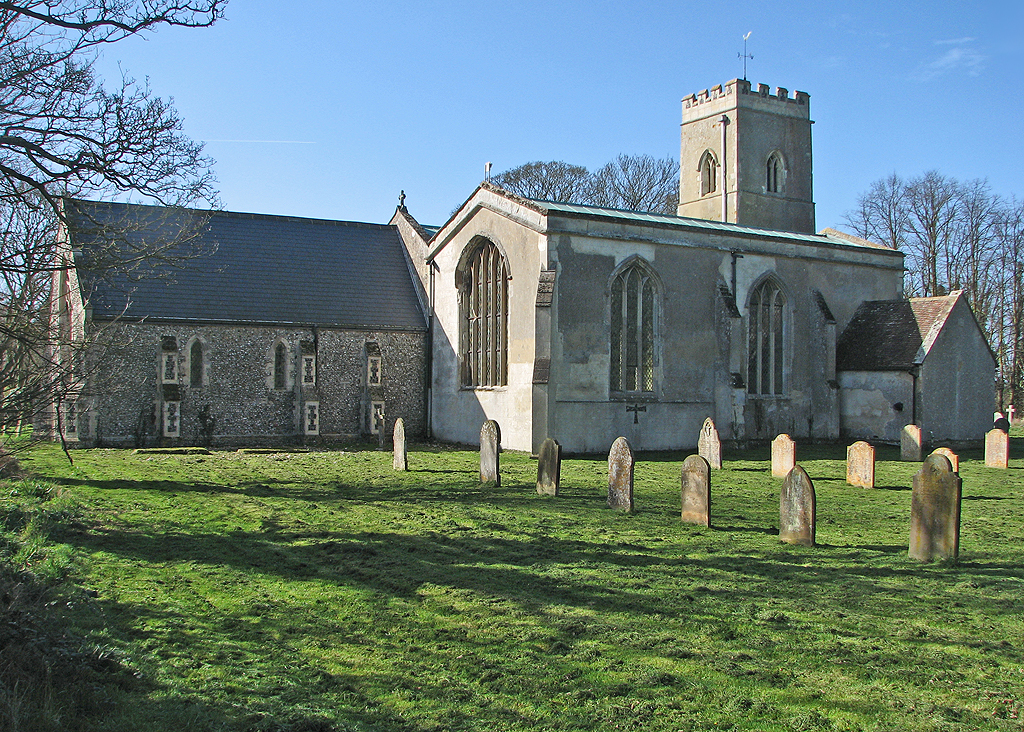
329,108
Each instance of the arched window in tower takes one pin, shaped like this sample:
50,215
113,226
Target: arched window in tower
195,364
766,349
633,301
280,365
775,174
484,280
708,169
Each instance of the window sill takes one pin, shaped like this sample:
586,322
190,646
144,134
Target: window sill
628,396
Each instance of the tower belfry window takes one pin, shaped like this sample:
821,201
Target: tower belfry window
708,170
775,174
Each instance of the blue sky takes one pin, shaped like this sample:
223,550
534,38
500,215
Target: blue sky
331,111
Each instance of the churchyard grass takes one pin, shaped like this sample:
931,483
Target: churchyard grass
326,591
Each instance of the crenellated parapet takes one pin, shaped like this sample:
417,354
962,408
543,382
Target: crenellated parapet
739,92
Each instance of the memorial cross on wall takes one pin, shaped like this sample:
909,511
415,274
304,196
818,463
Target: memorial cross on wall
636,409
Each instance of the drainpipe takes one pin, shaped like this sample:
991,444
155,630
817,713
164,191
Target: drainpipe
725,175
735,256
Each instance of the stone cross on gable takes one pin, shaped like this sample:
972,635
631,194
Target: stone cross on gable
636,409
401,199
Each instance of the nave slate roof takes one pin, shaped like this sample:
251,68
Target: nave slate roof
893,335
246,268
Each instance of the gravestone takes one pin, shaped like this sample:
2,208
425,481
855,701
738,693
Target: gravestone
935,511
910,444
860,464
797,508
401,456
953,458
490,447
696,485
783,455
549,467
620,475
709,444
1001,423
997,449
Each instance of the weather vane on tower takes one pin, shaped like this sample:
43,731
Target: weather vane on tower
745,55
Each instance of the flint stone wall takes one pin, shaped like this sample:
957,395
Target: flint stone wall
124,393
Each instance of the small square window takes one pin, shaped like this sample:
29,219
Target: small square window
172,419
373,370
169,367
309,369
311,418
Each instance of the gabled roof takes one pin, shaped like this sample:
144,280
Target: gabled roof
829,238
245,268
893,335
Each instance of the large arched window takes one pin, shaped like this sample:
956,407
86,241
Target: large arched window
775,174
708,169
195,363
484,341
766,351
633,303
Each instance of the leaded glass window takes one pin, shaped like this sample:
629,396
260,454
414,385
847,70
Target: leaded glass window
484,346
195,364
633,297
766,347
280,365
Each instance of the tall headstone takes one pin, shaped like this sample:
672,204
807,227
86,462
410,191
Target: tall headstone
401,455
549,467
709,444
935,511
953,458
860,464
910,444
620,475
490,448
997,448
783,455
797,508
696,486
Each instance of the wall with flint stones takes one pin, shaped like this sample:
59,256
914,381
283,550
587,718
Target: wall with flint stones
237,399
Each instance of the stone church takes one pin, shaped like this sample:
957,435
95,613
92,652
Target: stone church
557,320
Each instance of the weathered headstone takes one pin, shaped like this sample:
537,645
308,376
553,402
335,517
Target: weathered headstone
953,458
997,448
549,467
696,487
860,464
910,444
797,508
490,447
401,456
935,511
620,475
709,444
783,455
1001,423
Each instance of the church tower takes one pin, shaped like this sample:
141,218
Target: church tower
745,157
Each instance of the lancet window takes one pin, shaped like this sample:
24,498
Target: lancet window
484,290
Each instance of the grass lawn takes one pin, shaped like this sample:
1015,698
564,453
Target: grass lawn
324,591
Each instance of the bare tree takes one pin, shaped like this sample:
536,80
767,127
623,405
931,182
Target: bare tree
548,181
630,182
639,183
881,213
66,135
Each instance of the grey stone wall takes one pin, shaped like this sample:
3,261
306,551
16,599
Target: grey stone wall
236,398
